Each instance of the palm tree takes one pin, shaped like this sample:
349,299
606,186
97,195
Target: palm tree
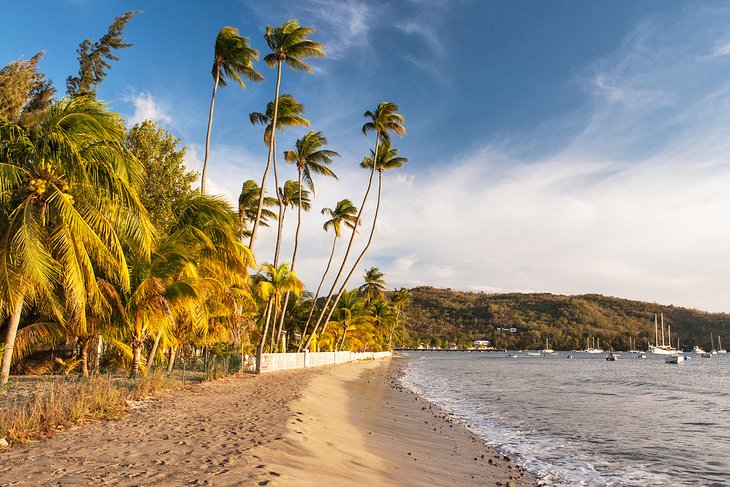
383,318
70,210
351,312
344,212
273,282
291,194
289,114
400,298
247,207
232,59
289,44
387,159
384,120
374,287
310,157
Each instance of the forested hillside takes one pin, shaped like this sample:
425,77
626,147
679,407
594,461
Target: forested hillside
439,316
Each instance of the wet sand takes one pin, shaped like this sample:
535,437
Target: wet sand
350,424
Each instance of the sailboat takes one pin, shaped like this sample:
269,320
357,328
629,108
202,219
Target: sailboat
632,349
712,345
665,348
547,350
595,348
719,345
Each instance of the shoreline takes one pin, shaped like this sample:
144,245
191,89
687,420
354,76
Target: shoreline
348,424
355,424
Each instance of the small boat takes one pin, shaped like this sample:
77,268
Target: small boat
569,356
698,349
719,345
533,354
674,359
706,355
547,350
641,355
612,357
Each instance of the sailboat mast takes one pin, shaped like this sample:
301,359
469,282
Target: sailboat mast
669,329
662,317
656,331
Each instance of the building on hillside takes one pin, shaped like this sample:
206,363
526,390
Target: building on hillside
481,344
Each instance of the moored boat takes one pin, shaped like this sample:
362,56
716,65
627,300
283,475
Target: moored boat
612,357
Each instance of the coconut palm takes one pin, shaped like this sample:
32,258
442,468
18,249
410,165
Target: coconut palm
291,194
70,211
273,283
310,157
248,204
289,114
344,212
384,120
374,287
232,59
400,298
351,312
289,44
383,318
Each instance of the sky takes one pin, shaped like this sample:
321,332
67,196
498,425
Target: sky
568,147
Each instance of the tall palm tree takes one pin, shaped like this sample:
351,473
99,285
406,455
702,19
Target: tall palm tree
310,157
248,204
293,195
344,212
351,312
383,319
374,287
289,44
384,120
289,114
232,59
70,211
387,159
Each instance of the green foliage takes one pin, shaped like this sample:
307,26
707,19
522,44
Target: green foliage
24,92
94,58
167,181
443,315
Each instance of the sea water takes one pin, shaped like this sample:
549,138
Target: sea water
588,421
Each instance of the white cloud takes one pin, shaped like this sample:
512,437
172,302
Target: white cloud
146,108
344,24
721,49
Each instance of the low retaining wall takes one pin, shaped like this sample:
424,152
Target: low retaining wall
271,362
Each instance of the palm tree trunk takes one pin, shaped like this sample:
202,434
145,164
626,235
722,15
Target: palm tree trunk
10,338
362,254
349,247
207,135
266,326
273,328
136,357
342,341
84,353
171,360
99,348
294,255
316,295
153,352
268,163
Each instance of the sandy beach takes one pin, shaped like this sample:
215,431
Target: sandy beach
349,424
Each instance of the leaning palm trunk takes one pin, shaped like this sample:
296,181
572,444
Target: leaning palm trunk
171,360
294,256
266,325
347,252
364,250
153,352
280,226
207,135
10,338
316,294
268,163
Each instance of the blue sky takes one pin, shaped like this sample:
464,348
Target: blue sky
566,147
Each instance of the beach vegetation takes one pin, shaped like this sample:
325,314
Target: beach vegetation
111,261
233,59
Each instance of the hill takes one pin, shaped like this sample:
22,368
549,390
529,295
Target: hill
437,317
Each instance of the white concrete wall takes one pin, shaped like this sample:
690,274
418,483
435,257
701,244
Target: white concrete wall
271,362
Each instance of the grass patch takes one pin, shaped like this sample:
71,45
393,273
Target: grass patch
53,406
